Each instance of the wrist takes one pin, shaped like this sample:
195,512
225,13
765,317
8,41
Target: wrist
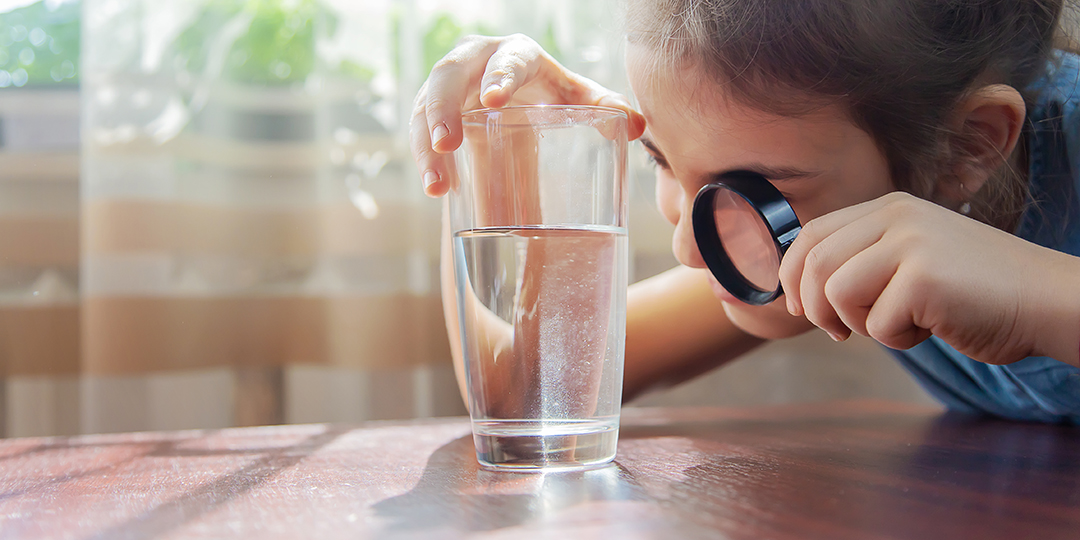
1055,311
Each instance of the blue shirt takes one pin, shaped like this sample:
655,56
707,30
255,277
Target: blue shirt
1036,388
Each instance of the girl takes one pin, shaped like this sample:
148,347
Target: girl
930,148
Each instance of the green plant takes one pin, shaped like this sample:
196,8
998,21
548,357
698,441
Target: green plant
39,45
276,44
443,34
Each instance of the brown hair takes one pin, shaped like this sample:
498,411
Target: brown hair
899,67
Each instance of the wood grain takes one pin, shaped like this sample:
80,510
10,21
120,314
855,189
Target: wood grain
837,471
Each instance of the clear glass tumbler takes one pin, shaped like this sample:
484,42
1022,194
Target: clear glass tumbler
538,210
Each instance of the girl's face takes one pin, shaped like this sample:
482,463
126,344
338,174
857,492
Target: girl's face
820,162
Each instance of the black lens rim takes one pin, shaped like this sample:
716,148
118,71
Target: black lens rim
773,209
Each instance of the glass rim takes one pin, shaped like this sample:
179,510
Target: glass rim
472,116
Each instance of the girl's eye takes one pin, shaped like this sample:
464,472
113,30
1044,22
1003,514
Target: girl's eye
657,162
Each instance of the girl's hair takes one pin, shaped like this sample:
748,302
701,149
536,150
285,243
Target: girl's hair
898,67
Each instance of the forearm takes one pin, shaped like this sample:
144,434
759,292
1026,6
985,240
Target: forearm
676,329
1056,309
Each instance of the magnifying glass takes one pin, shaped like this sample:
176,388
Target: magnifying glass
743,226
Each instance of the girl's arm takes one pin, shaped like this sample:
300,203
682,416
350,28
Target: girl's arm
676,329
1059,309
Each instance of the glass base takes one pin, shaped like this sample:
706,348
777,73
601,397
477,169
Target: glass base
544,446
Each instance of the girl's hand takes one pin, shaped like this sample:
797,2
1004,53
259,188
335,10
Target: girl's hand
493,72
898,269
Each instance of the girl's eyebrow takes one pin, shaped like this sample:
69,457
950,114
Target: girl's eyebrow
772,173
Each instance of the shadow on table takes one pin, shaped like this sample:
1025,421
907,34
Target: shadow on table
455,494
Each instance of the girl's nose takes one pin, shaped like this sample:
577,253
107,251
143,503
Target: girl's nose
683,244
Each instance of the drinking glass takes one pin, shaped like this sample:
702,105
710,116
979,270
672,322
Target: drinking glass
538,210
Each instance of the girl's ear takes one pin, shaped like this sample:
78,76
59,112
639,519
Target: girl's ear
986,128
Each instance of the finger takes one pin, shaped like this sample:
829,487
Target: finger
448,87
854,288
891,320
595,94
822,262
515,63
812,233
434,167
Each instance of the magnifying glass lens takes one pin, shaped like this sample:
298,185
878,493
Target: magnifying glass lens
747,240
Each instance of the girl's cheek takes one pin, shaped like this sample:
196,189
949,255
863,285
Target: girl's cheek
809,209
809,205
668,196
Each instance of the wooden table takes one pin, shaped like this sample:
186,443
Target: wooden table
841,470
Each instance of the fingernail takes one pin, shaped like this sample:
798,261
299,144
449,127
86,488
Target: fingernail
430,177
835,337
790,305
492,88
439,133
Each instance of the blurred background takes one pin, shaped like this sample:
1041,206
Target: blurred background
209,216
